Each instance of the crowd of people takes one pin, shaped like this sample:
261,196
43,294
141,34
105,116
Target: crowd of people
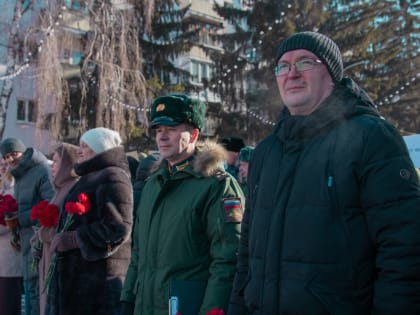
321,217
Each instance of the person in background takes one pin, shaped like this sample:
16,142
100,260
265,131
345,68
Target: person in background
143,171
243,158
332,222
7,181
145,168
232,145
10,263
133,164
63,178
95,249
31,172
188,222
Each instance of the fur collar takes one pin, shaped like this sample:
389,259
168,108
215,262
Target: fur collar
209,159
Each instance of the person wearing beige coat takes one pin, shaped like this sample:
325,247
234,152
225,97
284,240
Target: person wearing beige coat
10,267
63,178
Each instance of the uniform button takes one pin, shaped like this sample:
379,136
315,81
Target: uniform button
405,174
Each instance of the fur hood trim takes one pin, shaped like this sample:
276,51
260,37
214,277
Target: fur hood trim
210,158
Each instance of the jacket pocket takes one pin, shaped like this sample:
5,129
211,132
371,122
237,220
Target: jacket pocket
342,301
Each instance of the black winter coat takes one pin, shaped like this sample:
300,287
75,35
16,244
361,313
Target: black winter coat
90,279
332,223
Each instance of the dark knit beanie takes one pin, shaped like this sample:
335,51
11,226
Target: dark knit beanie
234,144
322,46
11,145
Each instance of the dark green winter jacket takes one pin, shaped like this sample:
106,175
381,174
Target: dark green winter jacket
32,176
185,230
332,223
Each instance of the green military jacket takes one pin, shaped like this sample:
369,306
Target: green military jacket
187,228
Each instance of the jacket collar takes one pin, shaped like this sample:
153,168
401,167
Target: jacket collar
347,100
112,157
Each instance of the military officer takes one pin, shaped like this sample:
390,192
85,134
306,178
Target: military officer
188,220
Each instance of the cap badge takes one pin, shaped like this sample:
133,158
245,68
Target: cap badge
160,107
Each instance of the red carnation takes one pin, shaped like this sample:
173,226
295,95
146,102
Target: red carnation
216,311
49,215
80,207
84,199
35,210
8,204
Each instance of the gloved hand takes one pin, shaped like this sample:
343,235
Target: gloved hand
127,308
64,241
46,234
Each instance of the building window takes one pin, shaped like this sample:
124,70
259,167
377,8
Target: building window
26,111
194,71
200,71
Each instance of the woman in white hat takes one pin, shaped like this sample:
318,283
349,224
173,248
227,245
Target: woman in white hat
96,248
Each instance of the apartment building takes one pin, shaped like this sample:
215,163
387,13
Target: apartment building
27,120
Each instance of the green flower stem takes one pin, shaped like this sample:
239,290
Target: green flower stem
54,259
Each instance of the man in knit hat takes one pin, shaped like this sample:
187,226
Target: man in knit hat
232,145
187,222
243,158
31,171
332,221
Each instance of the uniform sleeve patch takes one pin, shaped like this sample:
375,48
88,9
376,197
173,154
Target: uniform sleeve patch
232,209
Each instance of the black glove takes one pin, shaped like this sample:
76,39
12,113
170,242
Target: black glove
64,241
127,308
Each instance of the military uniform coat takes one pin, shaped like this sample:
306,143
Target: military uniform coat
185,230
332,224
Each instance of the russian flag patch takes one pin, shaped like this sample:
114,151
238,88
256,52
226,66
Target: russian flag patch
232,209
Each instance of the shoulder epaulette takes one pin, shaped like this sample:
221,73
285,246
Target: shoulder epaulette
220,175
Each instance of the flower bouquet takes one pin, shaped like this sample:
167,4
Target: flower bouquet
9,218
80,207
47,214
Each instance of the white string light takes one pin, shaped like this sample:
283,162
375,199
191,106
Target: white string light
394,97
49,30
126,106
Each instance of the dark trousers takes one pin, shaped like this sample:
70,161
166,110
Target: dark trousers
10,295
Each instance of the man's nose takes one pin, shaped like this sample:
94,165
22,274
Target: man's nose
293,72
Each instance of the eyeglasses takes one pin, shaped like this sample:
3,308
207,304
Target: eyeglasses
283,68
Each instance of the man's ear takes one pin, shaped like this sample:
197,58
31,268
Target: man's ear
194,135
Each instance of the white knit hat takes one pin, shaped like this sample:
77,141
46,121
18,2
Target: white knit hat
101,139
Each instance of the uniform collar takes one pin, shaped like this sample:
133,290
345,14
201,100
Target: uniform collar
180,166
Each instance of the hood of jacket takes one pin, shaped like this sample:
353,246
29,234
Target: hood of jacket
346,100
65,172
30,158
112,157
